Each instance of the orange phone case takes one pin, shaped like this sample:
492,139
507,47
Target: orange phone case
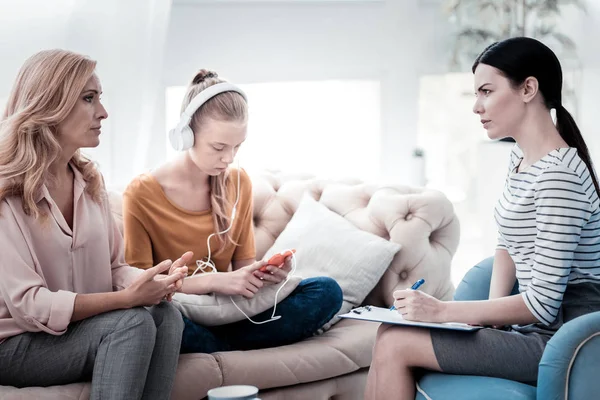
277,259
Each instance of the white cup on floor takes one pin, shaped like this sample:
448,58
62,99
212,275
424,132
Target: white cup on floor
234,392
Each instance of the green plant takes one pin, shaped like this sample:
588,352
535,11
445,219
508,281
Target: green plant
481,22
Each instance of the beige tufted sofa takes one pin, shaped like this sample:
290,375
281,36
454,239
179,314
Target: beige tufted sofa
334,364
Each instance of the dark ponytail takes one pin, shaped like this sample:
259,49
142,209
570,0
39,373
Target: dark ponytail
521,57
570,133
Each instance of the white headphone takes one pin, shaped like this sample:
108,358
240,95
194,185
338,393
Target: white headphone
182,136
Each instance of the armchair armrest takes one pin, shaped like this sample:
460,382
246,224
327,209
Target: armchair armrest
476,283
569,365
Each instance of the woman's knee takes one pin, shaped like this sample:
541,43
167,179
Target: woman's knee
397,344
387,337
134,325
167,316
137,319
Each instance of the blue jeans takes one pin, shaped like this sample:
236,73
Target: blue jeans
311,305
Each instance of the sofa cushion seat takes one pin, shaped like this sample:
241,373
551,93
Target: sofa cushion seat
345,348
73,391
196,375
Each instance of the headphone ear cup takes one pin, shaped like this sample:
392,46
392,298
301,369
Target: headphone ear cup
187,138
174,139
181,139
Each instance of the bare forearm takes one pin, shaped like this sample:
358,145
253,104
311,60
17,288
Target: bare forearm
201,283
502,311
503,275
89,305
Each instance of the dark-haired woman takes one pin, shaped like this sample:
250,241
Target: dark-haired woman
549,237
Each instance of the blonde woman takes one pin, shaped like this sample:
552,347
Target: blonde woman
190,200
70,308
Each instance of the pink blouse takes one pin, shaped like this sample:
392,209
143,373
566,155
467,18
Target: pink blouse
44,264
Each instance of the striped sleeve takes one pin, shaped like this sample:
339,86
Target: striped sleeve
501,243
562,208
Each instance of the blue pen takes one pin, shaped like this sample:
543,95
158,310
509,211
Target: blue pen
416,285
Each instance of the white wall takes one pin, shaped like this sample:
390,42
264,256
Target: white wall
585,30
390,41
394,41
126,39
28,26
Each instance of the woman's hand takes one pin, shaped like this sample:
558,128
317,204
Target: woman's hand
242,281
179,265
415,305
276,273
150,288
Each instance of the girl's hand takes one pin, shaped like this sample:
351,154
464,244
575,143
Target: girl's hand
239,282
276,273
415,305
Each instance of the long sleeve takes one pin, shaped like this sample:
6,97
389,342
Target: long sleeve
123,274
501,243
562,208
24,292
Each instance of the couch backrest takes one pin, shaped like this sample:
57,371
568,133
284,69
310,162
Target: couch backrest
421,220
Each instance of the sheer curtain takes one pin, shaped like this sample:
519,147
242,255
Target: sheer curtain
28,26
127,38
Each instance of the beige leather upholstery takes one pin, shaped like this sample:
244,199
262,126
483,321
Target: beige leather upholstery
332,365
422,220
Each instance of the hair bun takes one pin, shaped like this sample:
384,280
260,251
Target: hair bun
203,75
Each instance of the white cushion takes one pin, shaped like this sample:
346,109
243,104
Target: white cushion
329,245
218,309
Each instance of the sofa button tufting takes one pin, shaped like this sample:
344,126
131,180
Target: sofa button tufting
403,275
408,217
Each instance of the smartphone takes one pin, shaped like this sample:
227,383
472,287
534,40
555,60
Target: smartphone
277,259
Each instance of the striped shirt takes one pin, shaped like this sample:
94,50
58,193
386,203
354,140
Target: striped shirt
548,220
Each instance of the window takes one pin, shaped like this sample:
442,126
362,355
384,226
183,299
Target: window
327,128
463,163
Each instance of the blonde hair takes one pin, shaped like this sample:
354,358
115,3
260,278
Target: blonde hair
46,89
227,106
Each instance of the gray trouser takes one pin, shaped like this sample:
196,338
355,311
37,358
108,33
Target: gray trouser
128,354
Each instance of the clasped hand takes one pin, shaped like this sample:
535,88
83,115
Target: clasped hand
151,287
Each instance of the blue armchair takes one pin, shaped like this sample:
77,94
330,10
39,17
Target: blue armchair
569,368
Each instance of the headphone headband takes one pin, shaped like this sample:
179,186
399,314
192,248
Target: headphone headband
182,137
208,94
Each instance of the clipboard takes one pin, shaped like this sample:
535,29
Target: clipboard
387,316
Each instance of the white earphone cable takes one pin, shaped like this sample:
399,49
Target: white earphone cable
209,266
273,316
